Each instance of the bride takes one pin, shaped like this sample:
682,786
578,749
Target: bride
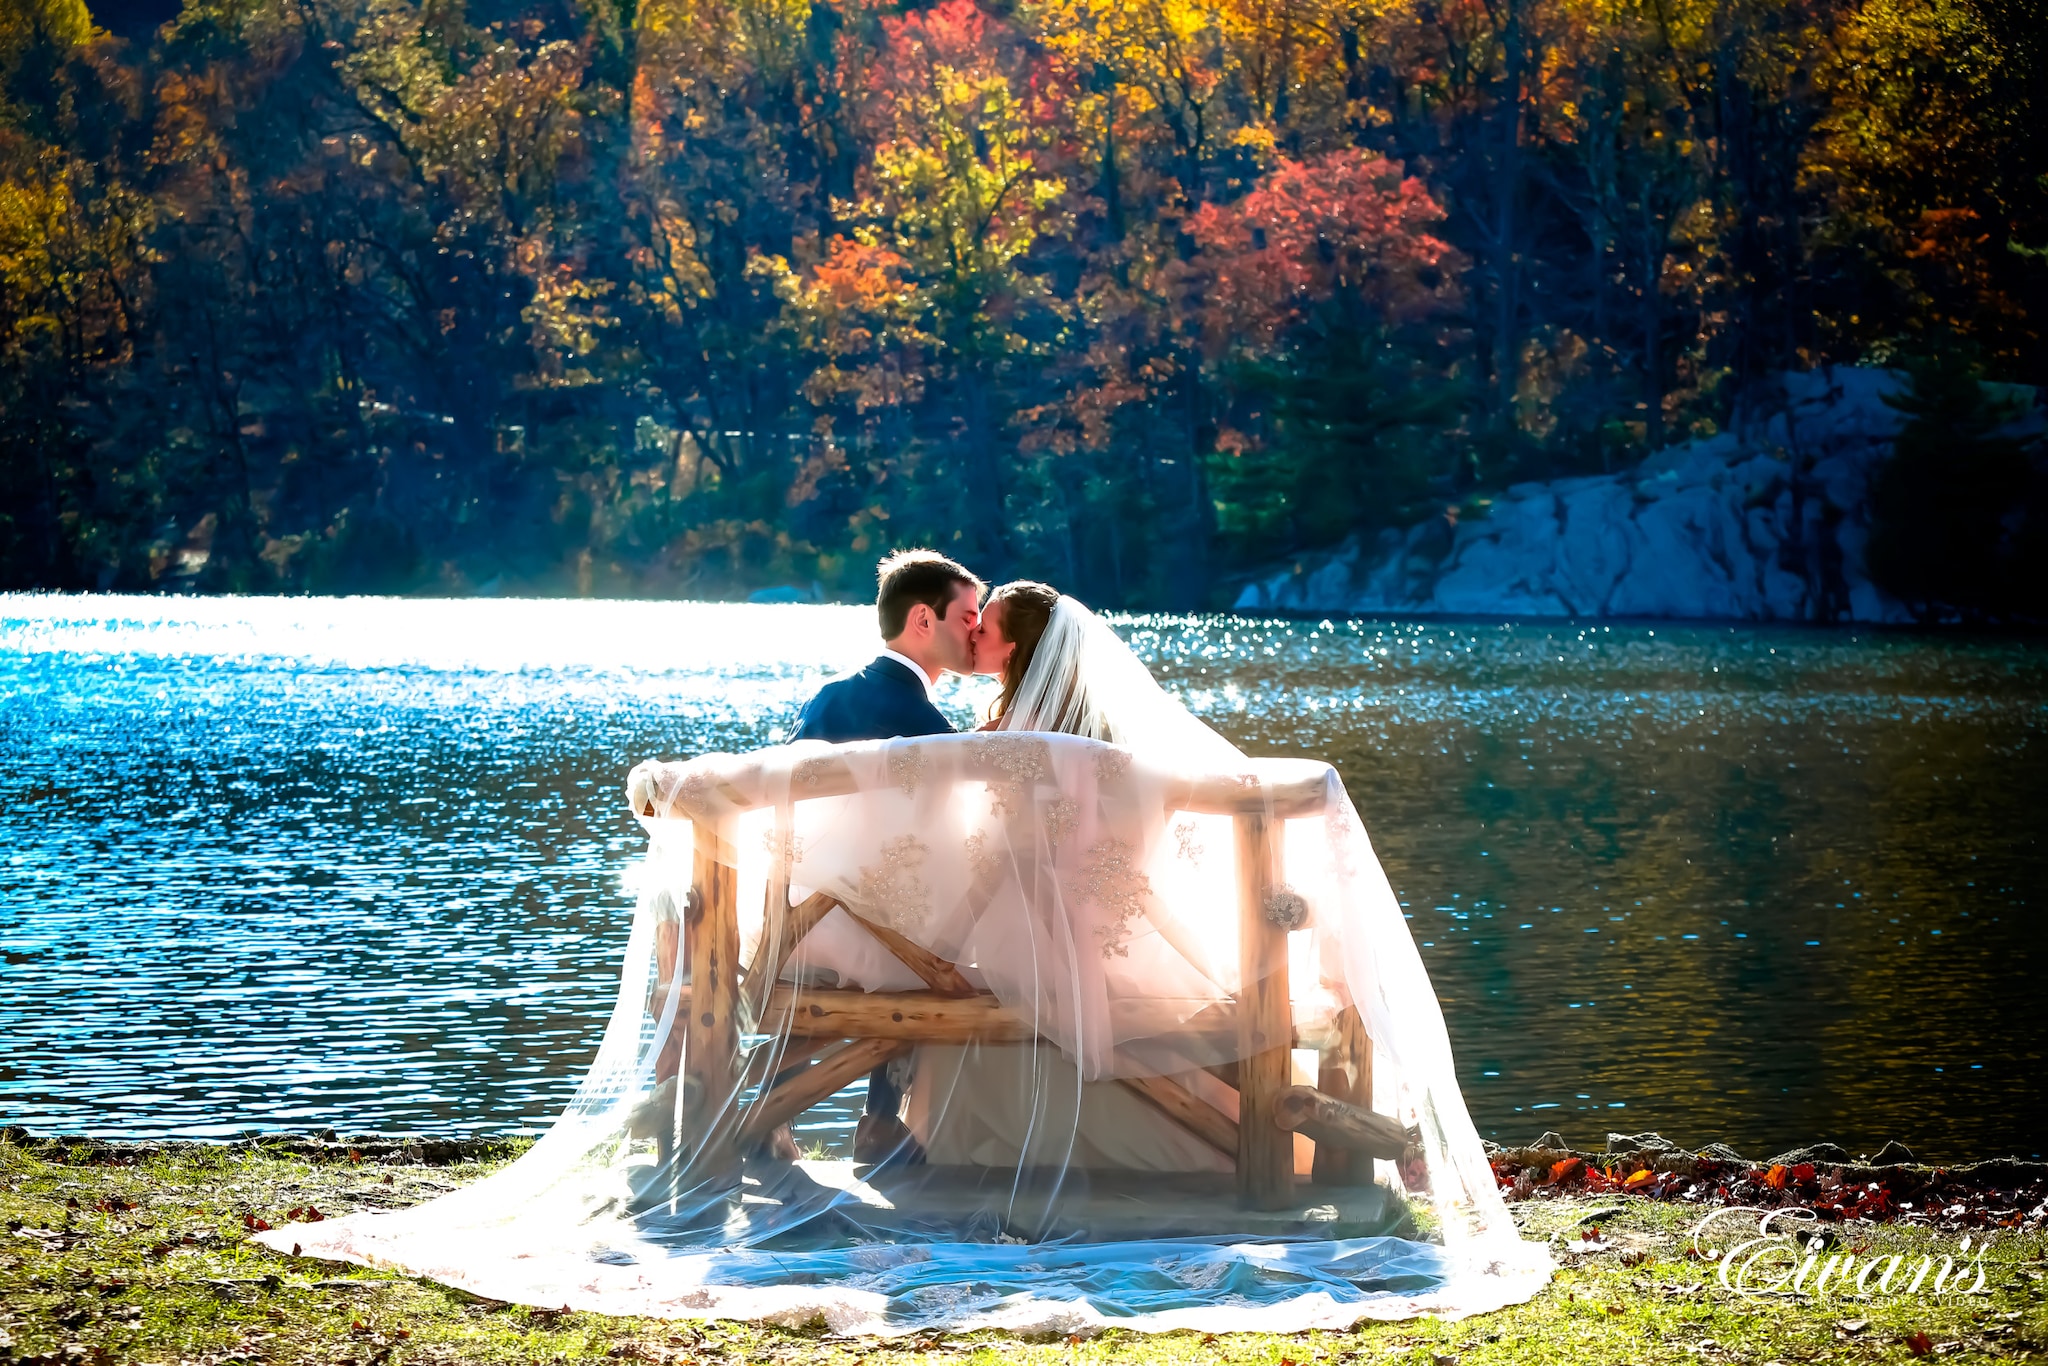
1063,670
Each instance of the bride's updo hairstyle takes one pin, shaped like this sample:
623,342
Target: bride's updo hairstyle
1027,609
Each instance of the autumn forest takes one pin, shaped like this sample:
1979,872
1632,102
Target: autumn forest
705,296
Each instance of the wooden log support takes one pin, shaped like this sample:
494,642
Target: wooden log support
711,1040
774,945
1265,1026
938,974
781,1054
1344,1071
1189,1110
779,941
926,1017
1291,788
800,1092
914,1016
1338,1123
668,949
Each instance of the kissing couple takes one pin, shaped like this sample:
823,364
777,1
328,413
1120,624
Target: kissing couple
1062,669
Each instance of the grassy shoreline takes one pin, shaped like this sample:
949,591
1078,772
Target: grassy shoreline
139,1253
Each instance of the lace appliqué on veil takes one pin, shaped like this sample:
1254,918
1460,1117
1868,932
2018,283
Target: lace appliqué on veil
1061,814
1342,832
1189,837
785,846
1111,764
983,861
893,893
1118,887
1021,762
906,767
686,798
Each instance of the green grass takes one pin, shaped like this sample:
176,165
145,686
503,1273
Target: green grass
148,1262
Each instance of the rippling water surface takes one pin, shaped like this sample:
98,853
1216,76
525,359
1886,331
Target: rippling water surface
292,863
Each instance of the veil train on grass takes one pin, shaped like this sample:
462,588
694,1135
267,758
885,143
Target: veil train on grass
1175,1059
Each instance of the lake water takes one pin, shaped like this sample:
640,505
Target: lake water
299,863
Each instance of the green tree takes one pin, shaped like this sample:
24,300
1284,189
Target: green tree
1958,517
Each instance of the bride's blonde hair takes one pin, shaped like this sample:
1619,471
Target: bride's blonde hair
1027,610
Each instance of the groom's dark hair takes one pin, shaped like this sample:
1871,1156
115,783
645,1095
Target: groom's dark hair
910,577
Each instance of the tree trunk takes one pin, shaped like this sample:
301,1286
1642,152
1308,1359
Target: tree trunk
1507,271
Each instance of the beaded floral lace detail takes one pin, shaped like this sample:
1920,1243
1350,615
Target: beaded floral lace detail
1286,908
906,767
1111,764
811,770
784,846
893,893
984,861
1021,762
1189,837
690,796
1062,814
1338,828
1118,887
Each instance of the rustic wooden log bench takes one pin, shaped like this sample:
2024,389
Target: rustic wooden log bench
821,1040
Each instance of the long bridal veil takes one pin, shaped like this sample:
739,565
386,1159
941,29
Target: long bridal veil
1084,680
1177,1062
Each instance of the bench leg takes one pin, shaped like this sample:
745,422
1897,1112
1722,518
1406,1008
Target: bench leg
1265,1028
1345,1071
711,1042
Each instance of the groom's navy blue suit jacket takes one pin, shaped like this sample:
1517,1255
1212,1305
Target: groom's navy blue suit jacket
885,700
881,702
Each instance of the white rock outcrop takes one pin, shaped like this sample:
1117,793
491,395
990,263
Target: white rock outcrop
1766,525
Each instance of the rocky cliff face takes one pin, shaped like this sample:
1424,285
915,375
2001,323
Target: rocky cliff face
1766,525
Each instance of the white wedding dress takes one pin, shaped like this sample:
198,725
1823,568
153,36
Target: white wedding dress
1002,1104
1108,875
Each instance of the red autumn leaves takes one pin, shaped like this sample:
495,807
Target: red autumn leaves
299,1214
1984,1199
1574,1174
1344,225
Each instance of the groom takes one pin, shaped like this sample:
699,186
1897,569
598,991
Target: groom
928,607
